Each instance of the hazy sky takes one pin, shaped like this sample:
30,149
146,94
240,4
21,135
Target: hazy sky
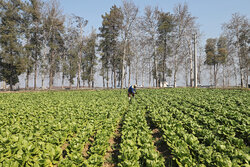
211,14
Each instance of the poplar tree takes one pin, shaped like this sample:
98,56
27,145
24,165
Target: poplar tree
129,14
149,26
32,28
237,32
53,25
89,60
27,50
183,22
80,24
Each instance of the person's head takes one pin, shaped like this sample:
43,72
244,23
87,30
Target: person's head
134,86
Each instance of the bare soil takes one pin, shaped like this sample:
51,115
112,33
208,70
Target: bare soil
87,147
160,144
111,157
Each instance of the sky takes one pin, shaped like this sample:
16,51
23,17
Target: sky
211,14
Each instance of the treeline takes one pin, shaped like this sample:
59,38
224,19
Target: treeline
37,39
230,53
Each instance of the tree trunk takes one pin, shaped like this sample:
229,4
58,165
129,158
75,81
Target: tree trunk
227,77
241,79
62,80
89,83
175,70
175,73
51,71
150,75
247,78
119,77
50,79
107,79
103,81
27,80
142,76
240,61
164,60
186,72
70,84
156,66
186,78
235,75
199,71
129,75
10,79
210,76
11,83
191,65
79,72
4,85
123,61
125,76
35,75
215,76
43,76
136,76
91,73
224,75
114,78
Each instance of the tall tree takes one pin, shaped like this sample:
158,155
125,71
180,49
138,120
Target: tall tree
149,26
183,21
211,57
236,30
54,28
89,61
109,44
130,12
165,27
222,53
26,28
244,42
80,24
11,47
215,55
32,28
36,38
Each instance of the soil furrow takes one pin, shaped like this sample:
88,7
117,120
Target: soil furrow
112,154
159,143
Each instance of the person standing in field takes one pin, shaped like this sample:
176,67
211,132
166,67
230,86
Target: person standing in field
131,92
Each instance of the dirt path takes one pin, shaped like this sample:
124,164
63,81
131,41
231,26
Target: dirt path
112,154
159,143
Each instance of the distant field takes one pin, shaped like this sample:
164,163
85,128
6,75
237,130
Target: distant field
161,127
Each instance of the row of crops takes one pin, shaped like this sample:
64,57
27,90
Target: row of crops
201,127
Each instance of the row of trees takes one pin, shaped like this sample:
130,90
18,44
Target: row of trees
230,52
156,46
35,38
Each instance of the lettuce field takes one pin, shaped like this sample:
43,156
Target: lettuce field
160,127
